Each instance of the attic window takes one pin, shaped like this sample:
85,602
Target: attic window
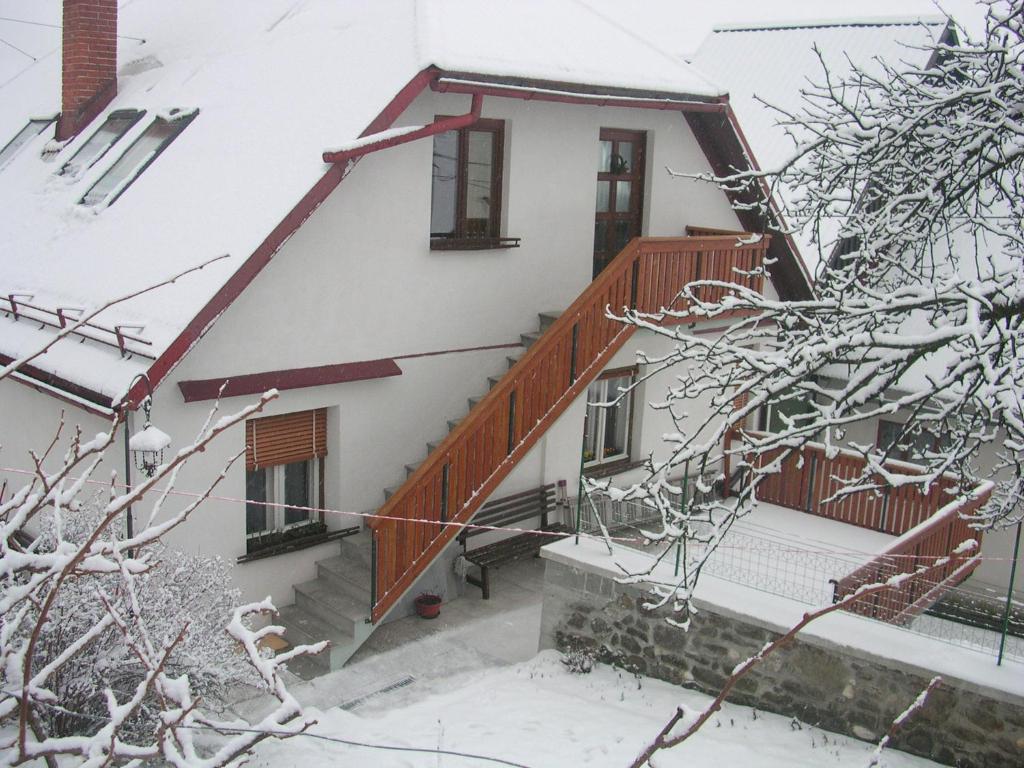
114,127
154,140
34,128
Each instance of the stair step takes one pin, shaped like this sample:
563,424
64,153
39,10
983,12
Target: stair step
389,492
547,319
511,360
529,338
492,381
473,401
410,468
432,446
348,574
357,549
453,424
331,606
302,628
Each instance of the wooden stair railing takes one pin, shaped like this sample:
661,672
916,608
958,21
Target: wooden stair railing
459,475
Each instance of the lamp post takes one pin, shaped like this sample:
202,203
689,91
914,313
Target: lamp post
147,445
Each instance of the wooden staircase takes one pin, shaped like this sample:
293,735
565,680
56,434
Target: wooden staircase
460,472
354,591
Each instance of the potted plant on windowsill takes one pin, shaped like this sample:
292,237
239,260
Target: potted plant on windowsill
428,605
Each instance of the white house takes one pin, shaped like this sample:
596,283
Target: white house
384,197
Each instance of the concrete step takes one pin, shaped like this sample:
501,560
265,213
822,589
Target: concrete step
492,381
473,401
356,549
453,424
347,574
389,492
432,446
410,468
303,628
529,338
330,605
512,360
547,319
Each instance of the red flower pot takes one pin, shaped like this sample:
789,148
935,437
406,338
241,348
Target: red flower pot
428,606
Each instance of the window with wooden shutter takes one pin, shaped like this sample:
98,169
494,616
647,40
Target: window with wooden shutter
285,439
284,478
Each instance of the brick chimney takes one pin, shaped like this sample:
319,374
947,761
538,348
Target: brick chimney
89,64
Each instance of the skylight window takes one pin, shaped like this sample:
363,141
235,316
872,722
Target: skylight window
154,140
106,136
35,126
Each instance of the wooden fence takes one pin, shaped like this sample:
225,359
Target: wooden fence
929,523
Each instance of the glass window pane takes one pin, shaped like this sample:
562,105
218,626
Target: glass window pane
603,189
113,128
33,129
592,427
622,190
479,177
296,491
444,183
616,420
604,161
297,477
129,164
622,160
601,236
621,234
256,513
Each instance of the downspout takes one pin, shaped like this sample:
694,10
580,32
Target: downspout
438,126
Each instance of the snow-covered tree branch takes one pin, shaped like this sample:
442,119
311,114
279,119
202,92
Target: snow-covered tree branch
911,183
95,666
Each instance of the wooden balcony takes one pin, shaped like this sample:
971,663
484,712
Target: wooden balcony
456,479
929,524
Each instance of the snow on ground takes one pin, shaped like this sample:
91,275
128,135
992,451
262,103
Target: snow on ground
537,714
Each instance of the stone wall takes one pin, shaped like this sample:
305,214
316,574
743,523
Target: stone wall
838,689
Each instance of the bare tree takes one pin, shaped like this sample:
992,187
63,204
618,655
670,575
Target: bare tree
911,181
158,714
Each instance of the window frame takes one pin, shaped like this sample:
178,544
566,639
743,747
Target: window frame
460,239
276,508
601,464
177,120
23,137
134,116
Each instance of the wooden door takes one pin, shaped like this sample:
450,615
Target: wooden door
620,190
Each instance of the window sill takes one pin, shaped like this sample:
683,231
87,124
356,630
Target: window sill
473,243
611,468
292,541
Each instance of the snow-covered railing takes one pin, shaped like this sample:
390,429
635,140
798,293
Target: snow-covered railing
928,521
456,479
19,307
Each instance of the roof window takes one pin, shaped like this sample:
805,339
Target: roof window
154,140
35,126
106,136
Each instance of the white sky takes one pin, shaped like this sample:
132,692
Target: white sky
676,26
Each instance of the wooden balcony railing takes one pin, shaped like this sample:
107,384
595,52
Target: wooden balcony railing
459,475
928,522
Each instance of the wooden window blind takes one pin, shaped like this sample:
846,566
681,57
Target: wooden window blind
284,439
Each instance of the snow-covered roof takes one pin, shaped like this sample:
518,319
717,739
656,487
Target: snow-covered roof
275,83
773,63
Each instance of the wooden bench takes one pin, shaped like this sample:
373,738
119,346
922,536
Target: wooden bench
505,512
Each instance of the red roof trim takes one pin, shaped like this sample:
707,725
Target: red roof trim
561,95
259,258
292,378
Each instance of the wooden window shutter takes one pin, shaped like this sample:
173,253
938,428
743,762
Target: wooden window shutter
285,439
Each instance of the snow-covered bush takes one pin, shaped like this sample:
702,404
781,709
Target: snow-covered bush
183,590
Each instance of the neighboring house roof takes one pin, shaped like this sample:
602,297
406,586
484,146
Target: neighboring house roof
275,84
774,63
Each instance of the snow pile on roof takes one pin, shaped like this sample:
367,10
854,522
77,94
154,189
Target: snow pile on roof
275,83
773,63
